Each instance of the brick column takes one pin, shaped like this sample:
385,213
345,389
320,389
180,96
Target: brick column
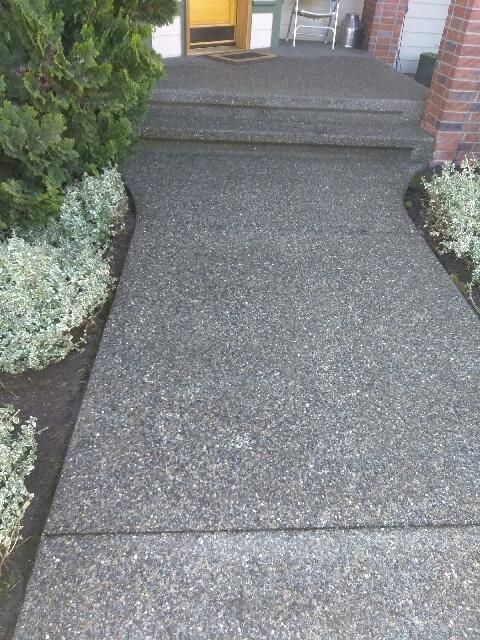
382,26
452,110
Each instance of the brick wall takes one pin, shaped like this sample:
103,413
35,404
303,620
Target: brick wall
382,26
452,111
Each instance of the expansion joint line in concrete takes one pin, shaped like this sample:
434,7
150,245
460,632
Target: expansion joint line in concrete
266,530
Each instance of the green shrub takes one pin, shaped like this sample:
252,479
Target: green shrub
17,455
453,212
52,278
75,77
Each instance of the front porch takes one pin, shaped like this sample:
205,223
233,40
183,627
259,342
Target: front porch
308,95
395,32
311,72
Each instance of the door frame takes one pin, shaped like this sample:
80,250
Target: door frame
242,28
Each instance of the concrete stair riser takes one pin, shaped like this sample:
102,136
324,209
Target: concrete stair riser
412,109
275,125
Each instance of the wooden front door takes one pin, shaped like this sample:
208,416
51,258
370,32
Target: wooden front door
212,22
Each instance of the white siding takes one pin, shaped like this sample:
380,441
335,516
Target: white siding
346,6
261,34
422,32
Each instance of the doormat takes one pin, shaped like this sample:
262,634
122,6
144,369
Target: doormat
241,57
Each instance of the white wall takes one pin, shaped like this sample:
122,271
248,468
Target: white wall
168,40
422,32
346,6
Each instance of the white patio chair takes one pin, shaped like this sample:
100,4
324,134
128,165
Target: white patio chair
331,15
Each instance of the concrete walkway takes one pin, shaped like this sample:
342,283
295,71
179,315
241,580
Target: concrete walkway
280,435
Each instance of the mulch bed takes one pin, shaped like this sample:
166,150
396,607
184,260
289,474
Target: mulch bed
53,396
458,270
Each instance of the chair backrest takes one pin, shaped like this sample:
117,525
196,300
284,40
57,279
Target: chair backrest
317,5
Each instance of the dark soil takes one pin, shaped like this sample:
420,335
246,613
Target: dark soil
458,270
53,396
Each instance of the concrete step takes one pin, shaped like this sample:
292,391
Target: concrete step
409,107
221,122
307,77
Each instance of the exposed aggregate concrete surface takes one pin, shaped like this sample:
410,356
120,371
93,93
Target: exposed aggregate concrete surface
280,435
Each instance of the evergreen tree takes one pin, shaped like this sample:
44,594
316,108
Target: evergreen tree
75,78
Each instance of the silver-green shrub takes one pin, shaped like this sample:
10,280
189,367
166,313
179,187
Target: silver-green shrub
54,277
453,212
18,451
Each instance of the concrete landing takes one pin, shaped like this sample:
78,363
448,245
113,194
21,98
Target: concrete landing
307,75
280,434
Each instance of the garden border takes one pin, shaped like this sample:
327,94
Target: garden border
53,396
458,270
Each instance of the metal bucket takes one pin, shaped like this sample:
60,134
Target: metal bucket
351,31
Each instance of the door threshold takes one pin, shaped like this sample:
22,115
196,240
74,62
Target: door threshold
202,51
